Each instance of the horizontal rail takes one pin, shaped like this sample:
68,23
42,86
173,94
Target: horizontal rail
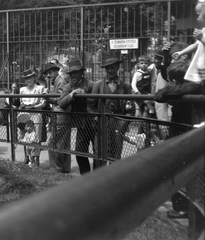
110,202
186,98
89,5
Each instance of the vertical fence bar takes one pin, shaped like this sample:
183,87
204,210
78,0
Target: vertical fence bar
7,48
104,130
82,35
168,20
13,157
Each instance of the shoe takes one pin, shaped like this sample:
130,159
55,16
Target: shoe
174,214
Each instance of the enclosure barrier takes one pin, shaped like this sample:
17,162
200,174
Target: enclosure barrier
110,202
156,132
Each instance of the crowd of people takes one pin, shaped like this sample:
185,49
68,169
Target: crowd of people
172,74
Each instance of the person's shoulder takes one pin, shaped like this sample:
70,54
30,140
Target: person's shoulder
23,89
67,86
39,88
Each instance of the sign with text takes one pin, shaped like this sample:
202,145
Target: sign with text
125,43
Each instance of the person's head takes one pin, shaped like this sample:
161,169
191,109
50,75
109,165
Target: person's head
200,10
29,126
177,47
177,71
143,62
76,72
51,71
111,65
29,77
14,88
158,57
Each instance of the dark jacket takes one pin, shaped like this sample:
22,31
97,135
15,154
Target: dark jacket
181,111
116,106
77,105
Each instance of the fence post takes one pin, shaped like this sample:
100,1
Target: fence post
13,157
103,130
8,49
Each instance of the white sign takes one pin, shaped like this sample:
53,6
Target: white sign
124,51
125,43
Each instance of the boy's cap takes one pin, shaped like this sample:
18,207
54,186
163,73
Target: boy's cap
177,46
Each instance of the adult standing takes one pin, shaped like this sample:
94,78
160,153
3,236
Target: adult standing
111,84
181,113
79,84
33,103
60,162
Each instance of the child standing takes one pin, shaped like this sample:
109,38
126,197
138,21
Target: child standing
141,84
32,153
196,70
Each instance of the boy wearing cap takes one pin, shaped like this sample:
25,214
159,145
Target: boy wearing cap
111,84
85,134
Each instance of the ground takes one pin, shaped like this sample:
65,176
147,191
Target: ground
18,181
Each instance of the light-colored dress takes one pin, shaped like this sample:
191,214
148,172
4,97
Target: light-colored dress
197,63
35,117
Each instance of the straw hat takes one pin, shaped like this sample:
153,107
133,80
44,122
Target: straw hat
28,73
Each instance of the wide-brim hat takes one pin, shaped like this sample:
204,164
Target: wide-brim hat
49,66
109,61
177,46
28,73
75,65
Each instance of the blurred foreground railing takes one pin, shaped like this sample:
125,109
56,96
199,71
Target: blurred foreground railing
110,202
155,133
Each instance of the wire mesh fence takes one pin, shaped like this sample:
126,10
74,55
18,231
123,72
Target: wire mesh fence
77,134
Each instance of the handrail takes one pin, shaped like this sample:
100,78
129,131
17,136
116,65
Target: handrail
185,98
110,202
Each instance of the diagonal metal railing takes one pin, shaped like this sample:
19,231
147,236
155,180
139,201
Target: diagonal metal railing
110,202
156,132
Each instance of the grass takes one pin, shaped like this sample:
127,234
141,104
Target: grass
18,181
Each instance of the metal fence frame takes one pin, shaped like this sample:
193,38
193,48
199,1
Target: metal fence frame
193,192
33,36
94,209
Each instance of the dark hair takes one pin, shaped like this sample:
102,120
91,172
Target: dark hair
176,71
30,123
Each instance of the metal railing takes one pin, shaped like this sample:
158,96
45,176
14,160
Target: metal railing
35,35
110,202
155,133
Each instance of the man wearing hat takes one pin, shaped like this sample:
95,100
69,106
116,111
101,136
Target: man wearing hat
60,162
111,84
85,134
